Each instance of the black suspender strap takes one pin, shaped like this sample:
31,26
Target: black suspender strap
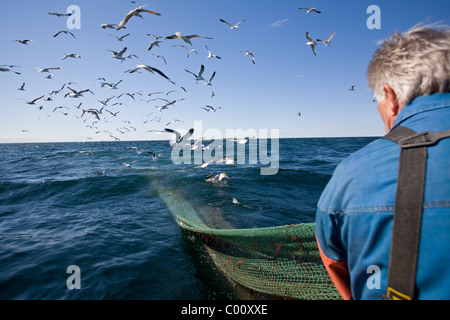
408,209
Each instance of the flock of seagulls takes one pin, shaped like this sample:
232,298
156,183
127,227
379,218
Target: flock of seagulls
104,112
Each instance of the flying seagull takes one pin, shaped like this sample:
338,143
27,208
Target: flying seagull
65,32
8,70
311,43
352,88
235,26
47,69
154,43
60,14
23,41
122,37
136,13
309,10
108,25
178,137
210,79
32,102
71,55
22,87
210,55
186,39
120,56
249,53
326,42
149,69
198,77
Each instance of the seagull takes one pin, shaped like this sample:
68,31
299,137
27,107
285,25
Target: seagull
76,94
210,55
8,70
22,87
111,85
122,37
91,111
32,102
108,25
232,26
352,88
71,55
311,43
119,55
249,53
137,13
129,164
240,141
155,155
299,114
198,77
149,69
217,177
60,14
64,31
159,56
154,43
50,76
186,39
47,69
178,137
205,164
174,120
190,51
326,42
308,10
210,79
23,41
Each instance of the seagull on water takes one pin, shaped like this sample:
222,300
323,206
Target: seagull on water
186,39
249,53
326,42
135,13
311,43
178,137
198,77
149,69
309,10
235,26
217,177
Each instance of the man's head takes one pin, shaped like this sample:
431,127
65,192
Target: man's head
407,66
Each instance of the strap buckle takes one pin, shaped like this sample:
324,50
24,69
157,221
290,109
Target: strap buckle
393,294
427,138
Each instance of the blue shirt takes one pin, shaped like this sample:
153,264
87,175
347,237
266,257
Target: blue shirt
355,211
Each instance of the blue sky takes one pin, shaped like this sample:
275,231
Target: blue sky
287,77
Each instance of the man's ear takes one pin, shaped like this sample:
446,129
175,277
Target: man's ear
390,96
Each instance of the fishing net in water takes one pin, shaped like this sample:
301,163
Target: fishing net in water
281,261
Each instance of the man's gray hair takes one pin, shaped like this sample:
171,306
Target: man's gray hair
413,64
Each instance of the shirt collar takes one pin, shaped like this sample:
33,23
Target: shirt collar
422,104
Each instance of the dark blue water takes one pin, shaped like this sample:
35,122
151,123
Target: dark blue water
64,204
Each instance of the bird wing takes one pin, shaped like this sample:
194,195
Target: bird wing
149,11
58,33
173,36
125,20
196,36
123,51
188,134
240,22
331,36
37,99
226,23
160,73
202,68
212,77
177,134
191,72
308,37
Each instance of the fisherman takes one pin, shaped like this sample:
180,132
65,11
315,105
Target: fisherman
368,251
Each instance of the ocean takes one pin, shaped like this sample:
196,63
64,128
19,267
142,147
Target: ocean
78,224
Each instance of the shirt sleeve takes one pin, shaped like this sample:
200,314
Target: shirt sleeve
333,255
